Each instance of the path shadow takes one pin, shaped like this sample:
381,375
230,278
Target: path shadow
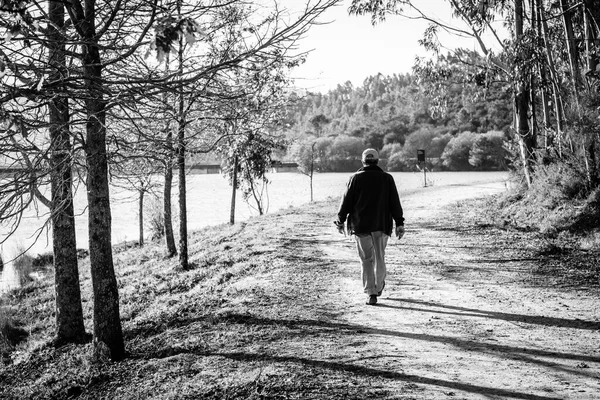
313,327
380,373
437,308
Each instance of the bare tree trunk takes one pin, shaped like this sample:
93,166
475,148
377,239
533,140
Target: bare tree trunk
107,323
68,310
167,208
545,103
233,191
257,199
591,62
524,134
311,186
183,242
558,103
312,170
141,217
548,137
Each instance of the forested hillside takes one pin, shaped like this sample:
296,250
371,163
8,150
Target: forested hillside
395,115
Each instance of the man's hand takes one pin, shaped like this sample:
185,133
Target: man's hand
399,231
340,227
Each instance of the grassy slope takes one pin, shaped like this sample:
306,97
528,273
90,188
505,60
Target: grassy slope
240,324
244,323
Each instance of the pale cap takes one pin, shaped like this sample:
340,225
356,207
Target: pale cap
370,155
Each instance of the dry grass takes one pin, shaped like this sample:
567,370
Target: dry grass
564,250
10,333
23,266
243,323
240,324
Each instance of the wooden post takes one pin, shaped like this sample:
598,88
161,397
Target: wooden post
421,161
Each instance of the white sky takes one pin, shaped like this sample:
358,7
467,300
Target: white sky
351,49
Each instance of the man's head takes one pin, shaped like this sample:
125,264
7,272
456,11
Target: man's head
370,157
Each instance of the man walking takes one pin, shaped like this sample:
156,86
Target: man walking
370,205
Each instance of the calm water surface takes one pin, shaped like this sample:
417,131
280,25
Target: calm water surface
208,204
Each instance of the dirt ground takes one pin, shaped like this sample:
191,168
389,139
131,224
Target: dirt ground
273,309
459,320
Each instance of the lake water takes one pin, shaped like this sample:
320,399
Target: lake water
208,204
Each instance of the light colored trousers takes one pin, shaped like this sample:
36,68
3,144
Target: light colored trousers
371,250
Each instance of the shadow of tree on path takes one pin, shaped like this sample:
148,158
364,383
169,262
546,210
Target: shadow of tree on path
380,373
437,308
314,327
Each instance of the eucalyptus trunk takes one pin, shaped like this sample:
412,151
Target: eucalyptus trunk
592,63
68,310
567,15
525,136
554,79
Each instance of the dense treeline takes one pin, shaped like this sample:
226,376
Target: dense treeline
395,115
546,55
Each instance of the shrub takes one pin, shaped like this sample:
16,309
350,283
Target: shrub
557,182
23,266
10,333
155,217
456,153
345,153
488,151
389,149
396,163
428,138
43,260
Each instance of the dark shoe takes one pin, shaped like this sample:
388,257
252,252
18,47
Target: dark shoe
381,291
372,300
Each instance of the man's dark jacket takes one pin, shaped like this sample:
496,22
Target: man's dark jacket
371,202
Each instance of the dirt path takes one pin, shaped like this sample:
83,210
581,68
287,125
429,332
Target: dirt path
457,318
274,309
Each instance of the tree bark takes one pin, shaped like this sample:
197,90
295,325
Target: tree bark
167,207
571,44
68,310
183,242
525,137
558,103
141,218
233,191
107,323
312,169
